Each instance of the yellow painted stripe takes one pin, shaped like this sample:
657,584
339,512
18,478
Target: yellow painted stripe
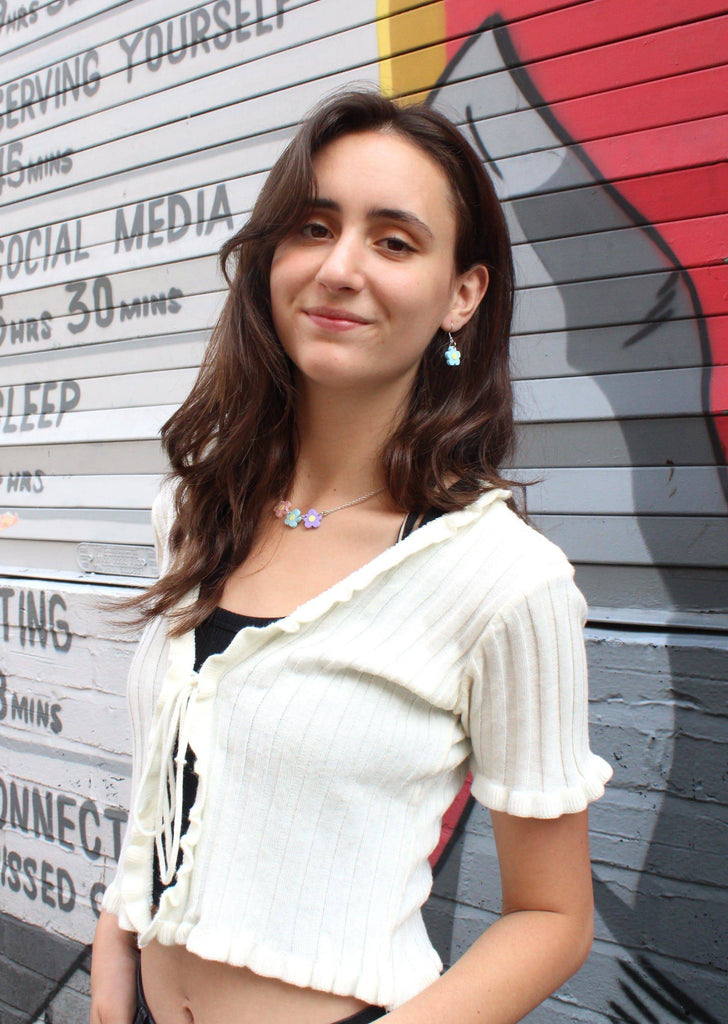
411,43
384,41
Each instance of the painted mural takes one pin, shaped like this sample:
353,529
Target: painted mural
133,140
584,291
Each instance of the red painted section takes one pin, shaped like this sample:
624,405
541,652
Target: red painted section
700,242
660,149
721,422
654,57
465,17
678,195
712,285
604,21
688,97
577,28
719,389
451,819
667,173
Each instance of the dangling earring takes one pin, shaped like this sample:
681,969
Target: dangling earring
452,353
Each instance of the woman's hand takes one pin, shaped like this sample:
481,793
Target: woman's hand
114,962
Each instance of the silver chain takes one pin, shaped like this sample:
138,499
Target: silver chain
348,504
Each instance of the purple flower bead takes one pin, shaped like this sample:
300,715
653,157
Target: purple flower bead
312,519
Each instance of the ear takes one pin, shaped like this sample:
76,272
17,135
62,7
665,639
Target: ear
470,287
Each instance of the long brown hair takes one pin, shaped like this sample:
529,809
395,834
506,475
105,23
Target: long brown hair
232,443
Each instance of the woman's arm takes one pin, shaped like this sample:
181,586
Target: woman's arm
543,936
113,973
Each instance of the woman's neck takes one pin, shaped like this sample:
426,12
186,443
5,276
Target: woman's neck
340,437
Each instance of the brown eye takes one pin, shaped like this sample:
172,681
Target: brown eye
396,244
314,230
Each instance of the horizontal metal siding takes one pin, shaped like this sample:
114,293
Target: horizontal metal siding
114,199
105,359
153,270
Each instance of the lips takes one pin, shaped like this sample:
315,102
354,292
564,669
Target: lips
339,316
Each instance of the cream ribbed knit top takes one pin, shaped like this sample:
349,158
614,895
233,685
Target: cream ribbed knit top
330,742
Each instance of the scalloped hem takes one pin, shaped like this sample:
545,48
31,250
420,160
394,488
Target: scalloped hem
532,804
113,903
345,979
111,900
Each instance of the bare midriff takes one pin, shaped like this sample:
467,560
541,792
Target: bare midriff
181,988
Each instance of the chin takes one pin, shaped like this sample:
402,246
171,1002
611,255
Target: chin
325,366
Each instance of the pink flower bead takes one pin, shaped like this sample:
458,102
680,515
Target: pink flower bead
282,509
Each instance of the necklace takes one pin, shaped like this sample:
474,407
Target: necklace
312,519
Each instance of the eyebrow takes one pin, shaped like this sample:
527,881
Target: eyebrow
378,213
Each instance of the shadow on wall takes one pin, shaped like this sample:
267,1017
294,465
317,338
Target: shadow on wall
45,976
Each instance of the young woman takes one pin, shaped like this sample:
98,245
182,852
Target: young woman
350,616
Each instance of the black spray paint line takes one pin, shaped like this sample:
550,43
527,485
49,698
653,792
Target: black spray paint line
651,994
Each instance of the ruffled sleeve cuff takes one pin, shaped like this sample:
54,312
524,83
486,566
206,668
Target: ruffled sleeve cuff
527,708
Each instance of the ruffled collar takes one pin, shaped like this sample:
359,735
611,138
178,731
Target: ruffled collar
435,532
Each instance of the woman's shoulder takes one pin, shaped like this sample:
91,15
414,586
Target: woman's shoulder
515,551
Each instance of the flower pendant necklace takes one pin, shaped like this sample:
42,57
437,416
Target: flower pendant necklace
312,519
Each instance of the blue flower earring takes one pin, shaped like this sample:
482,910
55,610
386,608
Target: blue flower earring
452,353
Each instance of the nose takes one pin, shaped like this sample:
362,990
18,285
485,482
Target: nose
341,266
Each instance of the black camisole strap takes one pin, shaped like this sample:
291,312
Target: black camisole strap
414,520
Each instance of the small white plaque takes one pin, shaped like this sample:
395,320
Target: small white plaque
117,559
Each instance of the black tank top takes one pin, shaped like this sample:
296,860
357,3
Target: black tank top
212,636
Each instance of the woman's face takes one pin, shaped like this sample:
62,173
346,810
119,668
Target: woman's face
359,290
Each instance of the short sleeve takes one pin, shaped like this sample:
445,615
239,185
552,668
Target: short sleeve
527,709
